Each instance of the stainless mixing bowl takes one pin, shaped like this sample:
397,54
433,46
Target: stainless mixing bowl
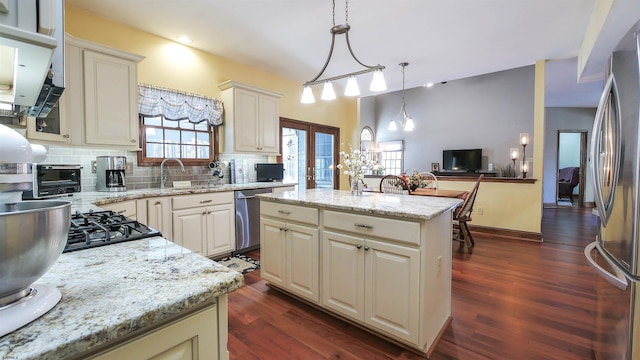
31,239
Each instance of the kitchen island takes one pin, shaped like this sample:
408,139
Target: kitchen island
146,297
380,261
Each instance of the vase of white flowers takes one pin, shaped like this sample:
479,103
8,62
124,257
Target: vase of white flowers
356,163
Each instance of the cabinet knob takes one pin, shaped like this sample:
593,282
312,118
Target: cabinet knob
359,246
157,203
66,136
366,248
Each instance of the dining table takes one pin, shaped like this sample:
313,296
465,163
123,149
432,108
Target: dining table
439,192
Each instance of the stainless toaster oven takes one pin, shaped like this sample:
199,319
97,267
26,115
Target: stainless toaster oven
50,180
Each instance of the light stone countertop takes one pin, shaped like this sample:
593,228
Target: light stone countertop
111,291
402,206
91,200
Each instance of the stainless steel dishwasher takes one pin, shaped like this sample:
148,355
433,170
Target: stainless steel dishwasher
248,219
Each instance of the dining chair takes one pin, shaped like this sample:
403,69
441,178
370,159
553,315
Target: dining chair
462,215
393,184
428,180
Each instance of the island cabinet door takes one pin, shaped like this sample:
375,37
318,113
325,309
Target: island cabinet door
302,253
273,251
392,288
343,274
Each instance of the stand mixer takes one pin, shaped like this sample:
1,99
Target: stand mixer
32,235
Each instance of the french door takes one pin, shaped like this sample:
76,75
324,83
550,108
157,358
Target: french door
309,154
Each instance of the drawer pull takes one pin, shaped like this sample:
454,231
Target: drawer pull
122,211
158,203
284,212
284,229
205,201
364,226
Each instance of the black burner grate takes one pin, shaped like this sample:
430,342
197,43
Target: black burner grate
99,228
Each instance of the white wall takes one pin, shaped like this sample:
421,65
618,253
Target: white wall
569,119
487,111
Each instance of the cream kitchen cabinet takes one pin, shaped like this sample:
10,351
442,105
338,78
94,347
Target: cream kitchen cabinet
252,120
373,282
101,103
157,214
126,208
202,335
289,248
385,261
54,128
204,223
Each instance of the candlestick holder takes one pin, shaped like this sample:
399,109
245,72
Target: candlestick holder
524,164
524,140
513,153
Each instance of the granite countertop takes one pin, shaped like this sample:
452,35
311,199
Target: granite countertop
111,291
402,206
91,200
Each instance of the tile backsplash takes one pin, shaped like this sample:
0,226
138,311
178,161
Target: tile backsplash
144,176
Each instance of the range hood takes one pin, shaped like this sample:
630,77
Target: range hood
26,59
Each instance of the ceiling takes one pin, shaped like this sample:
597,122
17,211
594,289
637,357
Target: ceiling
442,40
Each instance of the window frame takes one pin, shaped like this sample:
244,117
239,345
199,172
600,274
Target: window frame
386,150
143,160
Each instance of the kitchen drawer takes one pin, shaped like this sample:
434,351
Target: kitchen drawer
288,212
126,208
190,201
397,230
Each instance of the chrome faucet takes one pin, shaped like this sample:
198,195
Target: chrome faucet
163,177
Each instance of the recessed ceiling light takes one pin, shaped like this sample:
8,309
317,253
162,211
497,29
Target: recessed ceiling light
185,39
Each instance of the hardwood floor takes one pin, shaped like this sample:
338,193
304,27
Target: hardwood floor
510,300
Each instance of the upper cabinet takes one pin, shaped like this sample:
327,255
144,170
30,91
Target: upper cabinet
251,120
100,102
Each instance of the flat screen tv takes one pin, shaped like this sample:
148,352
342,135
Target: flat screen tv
462,160
269,172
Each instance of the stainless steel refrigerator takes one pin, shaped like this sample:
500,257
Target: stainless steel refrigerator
615,170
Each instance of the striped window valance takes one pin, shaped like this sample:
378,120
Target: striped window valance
178,105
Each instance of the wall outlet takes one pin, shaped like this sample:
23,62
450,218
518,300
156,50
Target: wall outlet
94,168
129,168
479,211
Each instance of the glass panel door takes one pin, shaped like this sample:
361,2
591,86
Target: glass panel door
294,156
324,161
309,154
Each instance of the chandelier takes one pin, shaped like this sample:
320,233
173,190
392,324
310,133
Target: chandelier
352,89
402,118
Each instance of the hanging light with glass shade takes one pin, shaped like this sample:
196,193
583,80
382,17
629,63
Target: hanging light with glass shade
405,121
377,83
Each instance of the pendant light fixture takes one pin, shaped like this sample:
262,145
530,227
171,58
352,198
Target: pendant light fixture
402,118
352,89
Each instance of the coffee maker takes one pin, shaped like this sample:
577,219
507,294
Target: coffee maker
110,173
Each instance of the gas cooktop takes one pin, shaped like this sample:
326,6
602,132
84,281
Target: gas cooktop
99,228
